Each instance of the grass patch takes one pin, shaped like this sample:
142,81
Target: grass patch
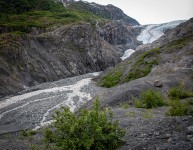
179,92
124,105
111,79
178,108
143,65
177,44
149,99
130,114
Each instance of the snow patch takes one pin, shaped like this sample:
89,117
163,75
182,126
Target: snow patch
127,53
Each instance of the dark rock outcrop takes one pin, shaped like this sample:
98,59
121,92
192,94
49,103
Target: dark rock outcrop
67,51
119,34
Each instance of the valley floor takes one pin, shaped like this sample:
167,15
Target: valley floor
145,129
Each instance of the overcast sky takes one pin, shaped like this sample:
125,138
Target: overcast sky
153,11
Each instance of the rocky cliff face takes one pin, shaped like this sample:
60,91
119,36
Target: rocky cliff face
67,51
119,34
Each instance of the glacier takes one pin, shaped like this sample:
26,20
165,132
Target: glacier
152,32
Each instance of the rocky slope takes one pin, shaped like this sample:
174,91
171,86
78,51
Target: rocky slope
118,34
67,51
55,45
168,60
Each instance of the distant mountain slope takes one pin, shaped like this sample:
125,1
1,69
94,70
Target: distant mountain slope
108,12
174,50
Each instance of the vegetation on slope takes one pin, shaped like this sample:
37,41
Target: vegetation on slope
178,107
20,6
140,67
149,99
179,92
108,12
142,64
41,14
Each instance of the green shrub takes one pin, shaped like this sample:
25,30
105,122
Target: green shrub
27,133
149,99
178,108
179,92
91,130
111,79
190,101
143,65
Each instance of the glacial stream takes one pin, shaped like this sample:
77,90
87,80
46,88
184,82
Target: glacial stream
34,109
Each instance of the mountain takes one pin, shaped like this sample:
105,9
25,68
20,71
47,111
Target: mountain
42,41
167,60
109,12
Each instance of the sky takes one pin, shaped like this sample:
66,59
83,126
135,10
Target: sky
153,11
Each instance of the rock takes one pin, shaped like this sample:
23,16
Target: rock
190,137
168,135
119,35
169,140
156,133
190,128
158,83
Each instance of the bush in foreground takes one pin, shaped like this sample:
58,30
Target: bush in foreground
149,99
91,130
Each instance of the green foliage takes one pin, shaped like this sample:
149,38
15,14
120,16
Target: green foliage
177,44
149,99
178,108
20,6
27,133
91,130
143,65
190,101
111,79
179,92
43,19
21,15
